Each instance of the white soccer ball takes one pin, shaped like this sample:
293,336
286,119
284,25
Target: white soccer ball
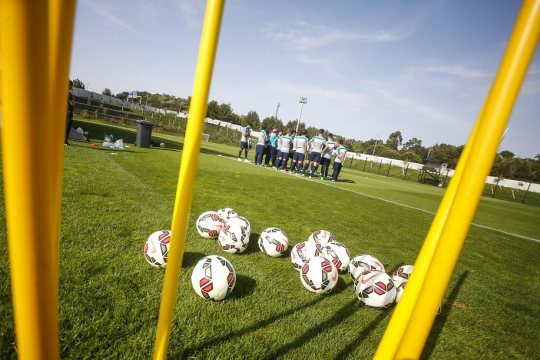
375,289
338,254
227,214
156,248
213,278
273,242
246,221
362,263
302,252
209,224
400,290
321,237
402,274
234,237
319,275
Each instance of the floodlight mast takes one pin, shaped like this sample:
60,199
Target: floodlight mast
303,100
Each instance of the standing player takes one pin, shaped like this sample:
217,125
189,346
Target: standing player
293,147
317,144
244,142
339,152
278,150
326,156
301,145
271,150
284,148
261,146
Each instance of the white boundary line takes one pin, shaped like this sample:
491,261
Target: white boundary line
400,204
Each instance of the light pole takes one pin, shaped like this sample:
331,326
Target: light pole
375,147
277,109
303,100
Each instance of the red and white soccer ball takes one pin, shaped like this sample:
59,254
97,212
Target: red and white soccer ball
400,290
302,252
338,254
319,275
402,274
227,214
375,289
213,278
234,237
273,242
209,224
156,248
362,263
321,237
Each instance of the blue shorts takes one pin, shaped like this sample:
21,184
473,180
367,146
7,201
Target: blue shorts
299,156
315,157
278,153
243,145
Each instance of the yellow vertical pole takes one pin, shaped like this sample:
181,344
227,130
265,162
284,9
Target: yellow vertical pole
61,21
188,170
30,169
411,322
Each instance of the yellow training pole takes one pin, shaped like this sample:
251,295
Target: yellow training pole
30,168
61,20
412,320
188,170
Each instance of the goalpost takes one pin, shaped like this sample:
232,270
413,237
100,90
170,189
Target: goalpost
35,51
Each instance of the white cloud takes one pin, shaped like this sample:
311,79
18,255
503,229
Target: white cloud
101,9
303,36
460,71
314,92
192,12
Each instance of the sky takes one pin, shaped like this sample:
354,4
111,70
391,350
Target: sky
368,68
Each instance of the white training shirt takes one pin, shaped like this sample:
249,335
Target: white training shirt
317,143
300,144
330,145
244,138
285,145
340,153
262,136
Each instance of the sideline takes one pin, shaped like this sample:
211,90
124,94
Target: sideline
395,203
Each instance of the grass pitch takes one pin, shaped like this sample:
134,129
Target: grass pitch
109,295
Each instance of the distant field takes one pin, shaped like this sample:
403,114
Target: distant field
109,295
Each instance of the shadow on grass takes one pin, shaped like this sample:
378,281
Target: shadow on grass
344,312
191,258
348,181
440,320
217,341
253,245
245,286
361,336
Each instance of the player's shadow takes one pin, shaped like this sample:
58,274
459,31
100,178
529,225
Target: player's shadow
217,341
245,286
353,345
441,319
348,181
343,313
191,258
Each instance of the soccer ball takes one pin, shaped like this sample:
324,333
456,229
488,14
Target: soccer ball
209,224
375,289
227,214
156,248
402,274
338,254
246,221
319,275
213,278
302,252
234,237
273,242
321,237
400,290
362,263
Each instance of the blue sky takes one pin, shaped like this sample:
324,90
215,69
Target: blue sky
367,67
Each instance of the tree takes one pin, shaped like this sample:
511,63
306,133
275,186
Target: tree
507,154
107,91
253,118
445,153
411,157
394,140
77,83
272,122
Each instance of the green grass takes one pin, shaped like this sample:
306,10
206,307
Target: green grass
109,295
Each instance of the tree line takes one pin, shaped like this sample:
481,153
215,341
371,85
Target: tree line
506,165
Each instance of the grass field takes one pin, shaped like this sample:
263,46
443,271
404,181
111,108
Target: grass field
109,295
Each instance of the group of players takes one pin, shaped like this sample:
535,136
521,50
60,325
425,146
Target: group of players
279,146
